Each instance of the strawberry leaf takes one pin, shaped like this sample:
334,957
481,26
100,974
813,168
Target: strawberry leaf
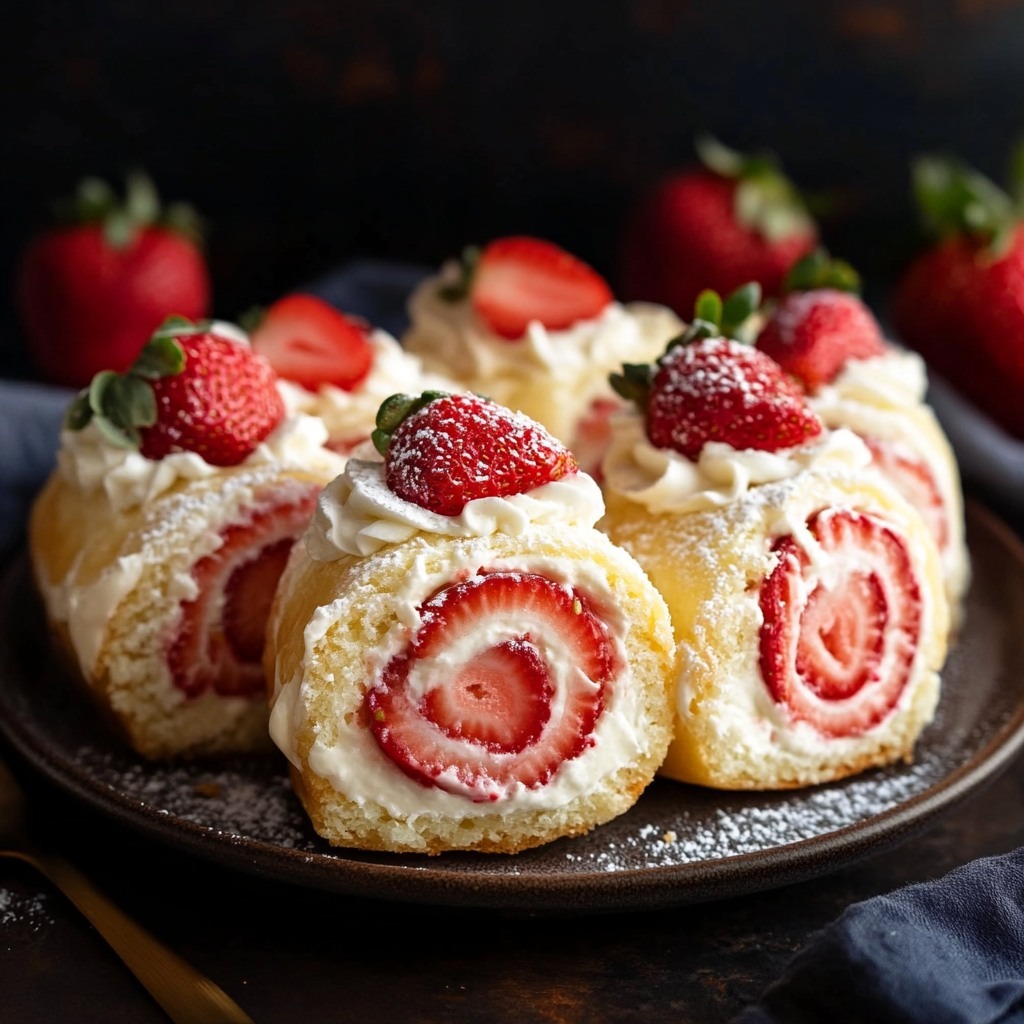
634,383
79,412
459,290
708,306
162,356
818,270
393,410
738,308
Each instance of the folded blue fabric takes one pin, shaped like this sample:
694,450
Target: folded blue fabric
944,952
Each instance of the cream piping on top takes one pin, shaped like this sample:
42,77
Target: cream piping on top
663,480
357,513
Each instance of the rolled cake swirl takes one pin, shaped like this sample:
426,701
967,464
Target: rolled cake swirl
157,570
489,678
806,594
882,400
811,626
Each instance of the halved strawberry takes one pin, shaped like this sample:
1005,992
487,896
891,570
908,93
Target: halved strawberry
841,630
813,334
717,389
508,713
520,279
311,343
218,641
442,451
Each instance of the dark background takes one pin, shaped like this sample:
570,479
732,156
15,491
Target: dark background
310,133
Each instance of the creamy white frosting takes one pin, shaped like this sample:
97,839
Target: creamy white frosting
663,480
357,513
350,416
354,764
896,378
89,462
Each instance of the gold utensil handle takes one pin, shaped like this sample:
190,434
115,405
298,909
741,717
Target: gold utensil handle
186,995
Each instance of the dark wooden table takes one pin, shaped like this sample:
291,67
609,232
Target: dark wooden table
289,954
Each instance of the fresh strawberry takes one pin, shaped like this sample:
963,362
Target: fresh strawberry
441,451
91,292
841,630
520,279
736,219
960,303
189,390
218,642
309,342
820,324
507,716
913,478
711,388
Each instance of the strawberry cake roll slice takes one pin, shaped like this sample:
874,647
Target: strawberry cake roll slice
531,326
337,367
827,338
458,659
157,542
805,593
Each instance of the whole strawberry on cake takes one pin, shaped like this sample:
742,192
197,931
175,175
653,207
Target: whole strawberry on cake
538,330
830,342
805,593
730,219
458,660
157,542
336,366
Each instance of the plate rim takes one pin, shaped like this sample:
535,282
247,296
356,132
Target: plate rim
624,889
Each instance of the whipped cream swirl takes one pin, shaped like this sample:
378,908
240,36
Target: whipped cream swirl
88,461
663,480
357,513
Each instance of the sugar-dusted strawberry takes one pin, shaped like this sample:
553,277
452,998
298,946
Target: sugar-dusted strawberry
91,291
190,389
734,219
441,450
712,388
218,641
960,303
506,716
841,629
513,281
311,343
821,323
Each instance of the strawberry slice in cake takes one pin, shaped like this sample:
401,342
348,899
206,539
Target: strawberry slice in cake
158,541
459,659
805,592
827,339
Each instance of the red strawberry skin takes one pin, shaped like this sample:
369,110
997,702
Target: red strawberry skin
88,306
461,447
218,642
717,389
521,279
310,343
837,651
685,237
496,721
221,406
962,308
813,334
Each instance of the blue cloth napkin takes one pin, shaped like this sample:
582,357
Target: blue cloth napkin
944,952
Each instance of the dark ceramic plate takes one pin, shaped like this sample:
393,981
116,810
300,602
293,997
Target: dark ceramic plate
679,844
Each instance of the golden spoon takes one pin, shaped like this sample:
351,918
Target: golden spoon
187,996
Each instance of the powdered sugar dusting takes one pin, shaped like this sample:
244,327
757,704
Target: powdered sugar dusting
26,911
